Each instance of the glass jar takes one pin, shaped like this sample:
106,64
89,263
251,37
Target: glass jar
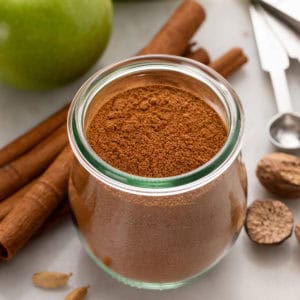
157,233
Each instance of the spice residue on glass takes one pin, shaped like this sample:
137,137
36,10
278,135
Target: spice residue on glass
156,131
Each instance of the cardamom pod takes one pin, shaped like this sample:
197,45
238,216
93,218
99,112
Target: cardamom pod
78,294
50,280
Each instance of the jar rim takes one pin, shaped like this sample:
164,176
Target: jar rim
147,185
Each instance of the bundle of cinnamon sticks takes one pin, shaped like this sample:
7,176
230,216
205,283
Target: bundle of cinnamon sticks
34,168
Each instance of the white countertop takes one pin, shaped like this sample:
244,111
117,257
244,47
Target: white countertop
249,271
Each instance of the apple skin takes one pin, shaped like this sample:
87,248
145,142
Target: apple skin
46,43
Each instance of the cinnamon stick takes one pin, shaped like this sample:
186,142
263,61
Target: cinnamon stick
175,35
60,214
21,171
229,62
199,54
36,206
9,203
28,140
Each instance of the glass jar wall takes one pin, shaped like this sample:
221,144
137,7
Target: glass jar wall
157,233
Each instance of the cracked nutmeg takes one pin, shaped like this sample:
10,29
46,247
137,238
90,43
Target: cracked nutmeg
269,222
279,173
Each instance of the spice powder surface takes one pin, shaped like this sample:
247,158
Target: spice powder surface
156,131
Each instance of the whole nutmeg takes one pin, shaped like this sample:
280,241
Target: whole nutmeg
279,173
269,222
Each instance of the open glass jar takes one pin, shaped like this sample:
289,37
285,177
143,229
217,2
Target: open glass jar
157,233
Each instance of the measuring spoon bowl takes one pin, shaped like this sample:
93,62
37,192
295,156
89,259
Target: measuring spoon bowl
284,131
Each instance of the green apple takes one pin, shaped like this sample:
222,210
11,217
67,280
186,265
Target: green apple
46,43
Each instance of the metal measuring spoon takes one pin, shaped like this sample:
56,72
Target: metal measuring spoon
284,131
284,128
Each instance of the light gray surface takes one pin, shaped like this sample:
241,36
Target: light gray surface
249,271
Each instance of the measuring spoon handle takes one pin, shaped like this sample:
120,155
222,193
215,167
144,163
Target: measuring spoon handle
281,90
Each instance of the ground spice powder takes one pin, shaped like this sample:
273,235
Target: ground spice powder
156,131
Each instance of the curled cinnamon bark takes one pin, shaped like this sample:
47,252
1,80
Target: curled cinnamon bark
198,54
229,62
36,206
175,35
21,171
56,217
9,203
59,214
28,140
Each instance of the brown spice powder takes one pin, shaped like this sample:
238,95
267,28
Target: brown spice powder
156,131
158,239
